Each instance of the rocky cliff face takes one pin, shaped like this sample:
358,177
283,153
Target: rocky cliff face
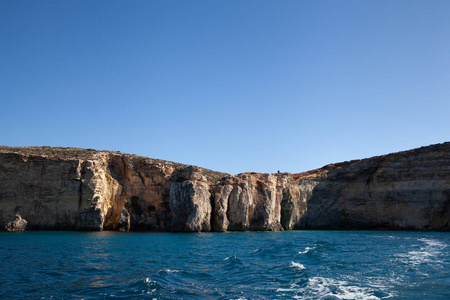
78,189
405,190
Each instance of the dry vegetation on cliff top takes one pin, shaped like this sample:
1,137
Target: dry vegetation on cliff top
54,152
68,153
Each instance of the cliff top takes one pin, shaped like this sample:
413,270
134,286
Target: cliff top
322,172
54,152
69,153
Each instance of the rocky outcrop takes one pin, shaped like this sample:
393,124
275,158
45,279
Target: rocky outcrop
190,201
124,220
18,224
79,189
247,202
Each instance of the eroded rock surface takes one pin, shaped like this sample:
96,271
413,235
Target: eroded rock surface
79,189
18,224
405,190
124,220
190,200
247,202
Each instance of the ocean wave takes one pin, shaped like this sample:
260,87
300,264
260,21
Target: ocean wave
307,249
327,288
233,261
148,280
297,265
338,266
169,270
265,252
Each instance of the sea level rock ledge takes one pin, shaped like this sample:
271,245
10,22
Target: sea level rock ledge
45,188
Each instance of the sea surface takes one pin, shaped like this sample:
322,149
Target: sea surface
245,265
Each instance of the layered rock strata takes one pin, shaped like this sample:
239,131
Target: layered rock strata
78,189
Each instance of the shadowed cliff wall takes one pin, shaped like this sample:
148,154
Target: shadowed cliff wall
405,190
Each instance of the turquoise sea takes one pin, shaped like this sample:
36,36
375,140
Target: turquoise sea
237,265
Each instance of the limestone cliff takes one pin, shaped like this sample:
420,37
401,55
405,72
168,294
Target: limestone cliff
78,189
405,190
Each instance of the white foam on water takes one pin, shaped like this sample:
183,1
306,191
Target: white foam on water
383,285
426,254
297,265
167,270
170,271
326,288
307,249
433,243
230,257
418,257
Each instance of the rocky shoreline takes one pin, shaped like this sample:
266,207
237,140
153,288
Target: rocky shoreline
46,188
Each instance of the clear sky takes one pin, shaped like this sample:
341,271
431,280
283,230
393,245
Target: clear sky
233,86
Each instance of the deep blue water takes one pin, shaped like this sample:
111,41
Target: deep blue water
249,265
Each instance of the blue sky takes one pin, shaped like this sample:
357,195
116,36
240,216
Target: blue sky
233,86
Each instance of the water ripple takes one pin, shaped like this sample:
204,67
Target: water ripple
283,265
